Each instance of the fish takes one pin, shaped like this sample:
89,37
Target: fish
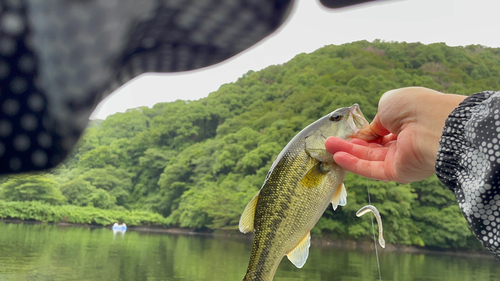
301,183
373,209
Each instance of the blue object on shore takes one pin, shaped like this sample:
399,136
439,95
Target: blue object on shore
119,227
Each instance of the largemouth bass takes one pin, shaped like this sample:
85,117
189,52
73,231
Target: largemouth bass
302,182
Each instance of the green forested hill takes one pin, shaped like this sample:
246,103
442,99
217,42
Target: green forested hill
198,163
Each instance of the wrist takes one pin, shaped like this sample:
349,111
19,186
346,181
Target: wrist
432,121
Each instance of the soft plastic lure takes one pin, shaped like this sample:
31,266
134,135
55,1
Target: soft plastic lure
371,208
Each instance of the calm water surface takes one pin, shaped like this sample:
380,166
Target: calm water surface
48,252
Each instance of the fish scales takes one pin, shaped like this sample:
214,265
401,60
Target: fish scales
296,192
278,209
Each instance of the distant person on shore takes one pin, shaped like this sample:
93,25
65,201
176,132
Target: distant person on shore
421,132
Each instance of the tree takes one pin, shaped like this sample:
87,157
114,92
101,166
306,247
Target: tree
117,182
199,162
78,191
81,193
122,125
31,187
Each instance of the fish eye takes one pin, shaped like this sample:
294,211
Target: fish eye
336,117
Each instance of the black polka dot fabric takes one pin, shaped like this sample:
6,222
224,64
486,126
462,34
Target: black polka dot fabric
468,163
60,58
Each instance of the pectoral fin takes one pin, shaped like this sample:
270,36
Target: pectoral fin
340,197
315,175
247,218
299,254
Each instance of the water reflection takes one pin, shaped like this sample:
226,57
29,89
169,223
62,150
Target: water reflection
120,233
47,252
119,229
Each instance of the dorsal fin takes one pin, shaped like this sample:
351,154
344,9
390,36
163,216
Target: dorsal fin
247,218
299,254
340,197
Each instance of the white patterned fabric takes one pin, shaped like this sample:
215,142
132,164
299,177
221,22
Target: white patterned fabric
468,163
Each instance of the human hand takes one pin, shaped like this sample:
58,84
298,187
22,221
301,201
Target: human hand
408,124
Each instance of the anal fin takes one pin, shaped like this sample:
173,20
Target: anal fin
340,197
299,254
247,218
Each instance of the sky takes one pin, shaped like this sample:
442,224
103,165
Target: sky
310,27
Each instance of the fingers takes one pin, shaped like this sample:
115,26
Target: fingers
373,132
360,157
377,127
357,148
369,169
389,138
379,143
359,142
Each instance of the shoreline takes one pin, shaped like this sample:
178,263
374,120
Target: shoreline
323,242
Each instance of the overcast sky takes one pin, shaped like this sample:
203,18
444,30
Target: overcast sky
310,27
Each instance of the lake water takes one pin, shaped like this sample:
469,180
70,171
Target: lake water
49,252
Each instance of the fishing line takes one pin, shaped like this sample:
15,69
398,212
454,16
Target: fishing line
373,230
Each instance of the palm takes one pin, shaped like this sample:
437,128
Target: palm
393,158
402,160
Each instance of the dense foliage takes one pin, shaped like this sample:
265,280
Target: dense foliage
38,211
198,163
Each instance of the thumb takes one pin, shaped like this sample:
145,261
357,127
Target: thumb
374,131
377,127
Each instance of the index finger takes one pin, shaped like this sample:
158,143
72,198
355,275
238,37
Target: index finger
372,152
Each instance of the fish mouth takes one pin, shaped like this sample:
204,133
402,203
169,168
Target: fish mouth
356,119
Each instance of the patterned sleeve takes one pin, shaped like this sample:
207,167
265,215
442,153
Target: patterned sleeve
468,162
59,59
